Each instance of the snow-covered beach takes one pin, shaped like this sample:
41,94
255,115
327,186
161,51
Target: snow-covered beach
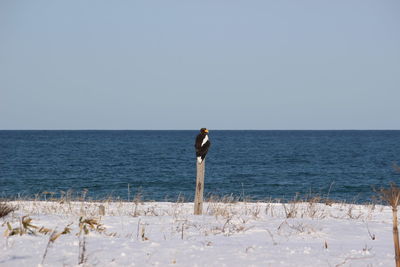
168,234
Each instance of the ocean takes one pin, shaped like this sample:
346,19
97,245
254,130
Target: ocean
161,165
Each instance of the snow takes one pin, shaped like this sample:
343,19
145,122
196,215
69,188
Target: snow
228,234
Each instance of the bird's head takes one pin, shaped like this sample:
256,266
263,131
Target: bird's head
203,130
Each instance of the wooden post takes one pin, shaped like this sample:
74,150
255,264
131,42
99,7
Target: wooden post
396,236
102,210
198,198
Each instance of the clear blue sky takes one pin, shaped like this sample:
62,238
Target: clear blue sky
90,64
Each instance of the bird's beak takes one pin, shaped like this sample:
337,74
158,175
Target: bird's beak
206,131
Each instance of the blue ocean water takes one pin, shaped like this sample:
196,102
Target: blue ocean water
345,165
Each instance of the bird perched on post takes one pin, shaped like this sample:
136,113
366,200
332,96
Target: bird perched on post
202,144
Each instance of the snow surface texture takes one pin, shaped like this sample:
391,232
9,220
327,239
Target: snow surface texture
228,234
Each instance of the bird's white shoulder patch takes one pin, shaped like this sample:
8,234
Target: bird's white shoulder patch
204,140
199,160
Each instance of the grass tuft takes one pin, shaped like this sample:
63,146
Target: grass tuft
5,209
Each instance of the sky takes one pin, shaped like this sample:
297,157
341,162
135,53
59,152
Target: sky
157,64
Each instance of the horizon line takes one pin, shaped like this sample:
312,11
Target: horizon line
198,129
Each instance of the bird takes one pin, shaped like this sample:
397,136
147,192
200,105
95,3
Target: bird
202,145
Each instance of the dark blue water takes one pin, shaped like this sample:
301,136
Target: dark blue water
161,164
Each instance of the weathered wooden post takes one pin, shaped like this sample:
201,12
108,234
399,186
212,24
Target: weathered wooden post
198,198
102,210
202,145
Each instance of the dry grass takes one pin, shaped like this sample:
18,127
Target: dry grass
231,215
5,209
225,207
